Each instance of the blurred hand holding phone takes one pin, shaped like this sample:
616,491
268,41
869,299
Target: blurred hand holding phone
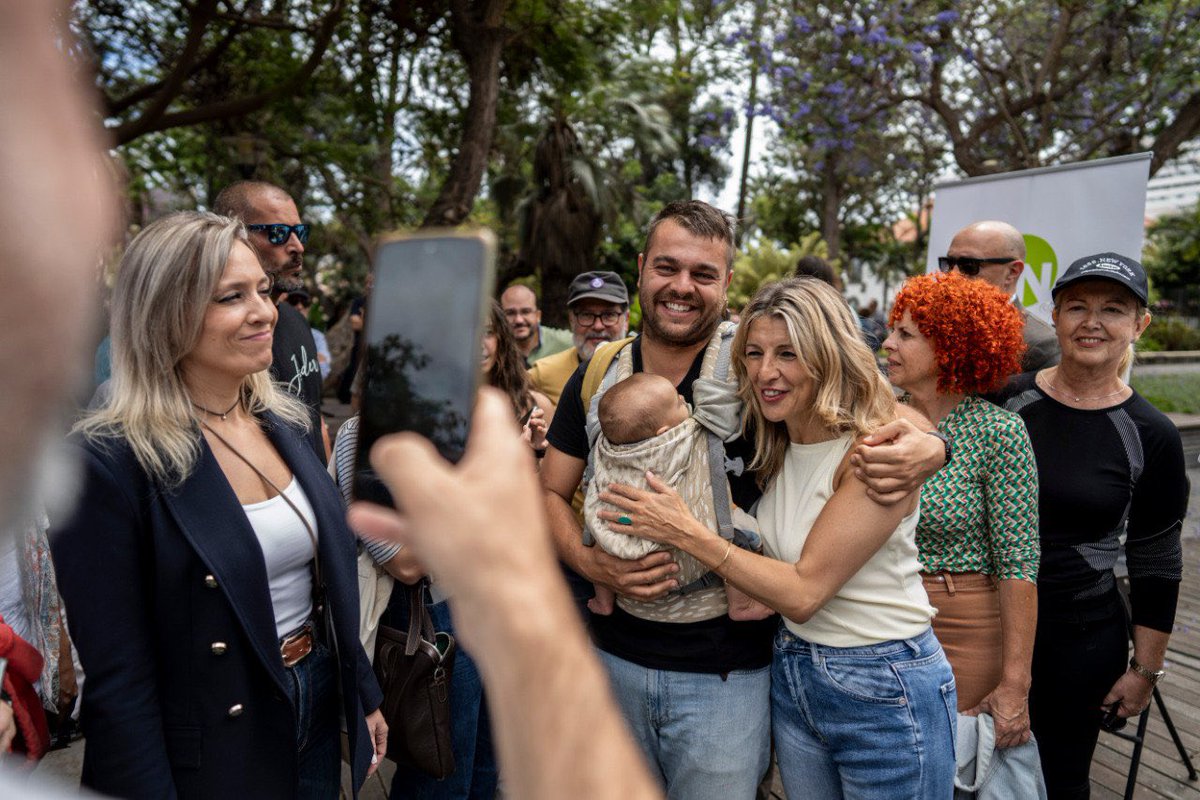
424,325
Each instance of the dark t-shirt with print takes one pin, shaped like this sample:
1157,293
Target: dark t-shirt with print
294,364
712,646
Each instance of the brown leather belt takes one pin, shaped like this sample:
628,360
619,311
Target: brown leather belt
296,646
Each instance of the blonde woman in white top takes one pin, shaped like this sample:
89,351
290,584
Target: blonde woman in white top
863,699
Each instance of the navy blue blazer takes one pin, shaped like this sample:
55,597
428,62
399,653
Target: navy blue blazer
154,581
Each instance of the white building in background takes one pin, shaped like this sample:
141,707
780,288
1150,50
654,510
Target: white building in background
1176,187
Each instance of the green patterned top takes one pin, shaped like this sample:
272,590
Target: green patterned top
980,513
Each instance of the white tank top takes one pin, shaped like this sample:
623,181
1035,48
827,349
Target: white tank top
882,601
287,550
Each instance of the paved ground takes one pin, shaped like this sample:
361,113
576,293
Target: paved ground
1189,367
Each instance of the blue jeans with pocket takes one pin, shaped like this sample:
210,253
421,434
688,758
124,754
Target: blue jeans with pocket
318,729
874,722
706,737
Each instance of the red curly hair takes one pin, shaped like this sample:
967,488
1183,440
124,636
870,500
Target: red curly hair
973,327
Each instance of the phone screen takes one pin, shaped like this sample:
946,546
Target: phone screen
424,323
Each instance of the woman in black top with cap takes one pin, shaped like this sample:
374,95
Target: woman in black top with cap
1109,464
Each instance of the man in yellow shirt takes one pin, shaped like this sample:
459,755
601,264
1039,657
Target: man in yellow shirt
598,312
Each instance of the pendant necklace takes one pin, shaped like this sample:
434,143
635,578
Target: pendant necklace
220,414
1072,397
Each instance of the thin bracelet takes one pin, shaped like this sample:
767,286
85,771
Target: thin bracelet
721,563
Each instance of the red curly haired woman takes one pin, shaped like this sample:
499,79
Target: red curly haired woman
953,339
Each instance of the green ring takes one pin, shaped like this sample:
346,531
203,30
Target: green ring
624,521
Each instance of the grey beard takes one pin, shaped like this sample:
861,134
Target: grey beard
286,283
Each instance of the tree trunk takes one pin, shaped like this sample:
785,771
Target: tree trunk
751,102
157,118
478,35
1184,127
831,207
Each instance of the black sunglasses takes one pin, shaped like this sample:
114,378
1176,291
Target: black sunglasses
967,265
278,233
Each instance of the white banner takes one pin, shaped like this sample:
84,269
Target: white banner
1064,212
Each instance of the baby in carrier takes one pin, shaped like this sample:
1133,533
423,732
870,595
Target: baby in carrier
646,425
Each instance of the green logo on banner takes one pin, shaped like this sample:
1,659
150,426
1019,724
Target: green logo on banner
1041,260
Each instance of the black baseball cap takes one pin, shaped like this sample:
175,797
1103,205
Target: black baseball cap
1106,266
606,286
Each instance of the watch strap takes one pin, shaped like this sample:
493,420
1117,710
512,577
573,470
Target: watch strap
1150,675
945,443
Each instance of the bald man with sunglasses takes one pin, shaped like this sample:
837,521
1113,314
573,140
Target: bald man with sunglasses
994,252
278,237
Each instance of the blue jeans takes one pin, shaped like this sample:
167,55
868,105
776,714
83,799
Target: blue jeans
475,773
317,727
704,736
864,722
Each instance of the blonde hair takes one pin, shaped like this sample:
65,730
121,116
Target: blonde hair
1140,310
851,395
165,283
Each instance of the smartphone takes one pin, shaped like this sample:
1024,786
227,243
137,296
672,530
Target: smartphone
423,333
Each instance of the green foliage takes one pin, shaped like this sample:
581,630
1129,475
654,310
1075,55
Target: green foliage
1178,393
1169,333
763,263
1172,252
870,100
316,317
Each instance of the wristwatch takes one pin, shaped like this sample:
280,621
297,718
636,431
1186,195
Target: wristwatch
946,443
1150,675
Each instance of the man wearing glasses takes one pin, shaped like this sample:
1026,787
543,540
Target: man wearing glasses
278,237
598,311
994,252
535,340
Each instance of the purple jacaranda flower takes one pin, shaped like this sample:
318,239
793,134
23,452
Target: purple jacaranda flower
839,30
857,60
946,17
876,36
801,24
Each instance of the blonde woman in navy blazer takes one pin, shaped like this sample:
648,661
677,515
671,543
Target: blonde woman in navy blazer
184,570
